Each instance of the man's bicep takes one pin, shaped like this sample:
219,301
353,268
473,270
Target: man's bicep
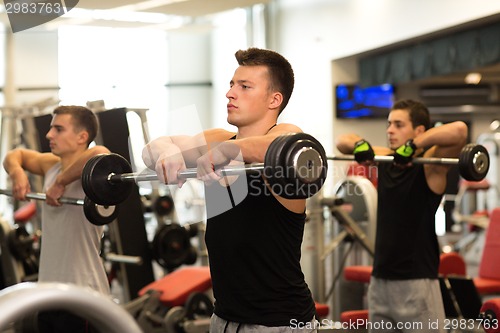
212,136
444,152
38,163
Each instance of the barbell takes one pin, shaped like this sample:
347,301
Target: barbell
95,213
295,165
473,161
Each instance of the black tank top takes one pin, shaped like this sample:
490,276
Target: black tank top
254,248
406,244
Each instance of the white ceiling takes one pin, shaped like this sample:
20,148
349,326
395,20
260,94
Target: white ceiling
170,7
185,9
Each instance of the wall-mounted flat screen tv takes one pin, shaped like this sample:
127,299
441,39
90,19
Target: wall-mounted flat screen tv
353,101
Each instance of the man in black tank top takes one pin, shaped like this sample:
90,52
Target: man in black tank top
404,293
253,234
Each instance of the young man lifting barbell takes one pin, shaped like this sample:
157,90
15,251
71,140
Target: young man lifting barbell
404,286
71,245
253,234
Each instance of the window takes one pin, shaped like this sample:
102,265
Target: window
122,66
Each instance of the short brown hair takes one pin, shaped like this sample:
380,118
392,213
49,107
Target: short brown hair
82,117
418,112
281,75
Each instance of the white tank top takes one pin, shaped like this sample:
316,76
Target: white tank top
70,244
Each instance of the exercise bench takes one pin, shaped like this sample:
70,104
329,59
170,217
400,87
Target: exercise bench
178,302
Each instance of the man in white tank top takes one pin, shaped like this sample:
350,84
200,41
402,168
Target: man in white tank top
70,248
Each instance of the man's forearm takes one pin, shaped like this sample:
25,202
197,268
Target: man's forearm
345,143
12,161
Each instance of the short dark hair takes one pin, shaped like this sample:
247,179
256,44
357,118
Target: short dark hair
418,112
281,75
82,118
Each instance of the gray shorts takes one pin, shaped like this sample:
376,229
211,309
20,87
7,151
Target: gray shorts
405,306
219,325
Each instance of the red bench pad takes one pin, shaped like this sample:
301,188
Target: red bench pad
322,310
25,213
358,273
176,287
487,286
354,316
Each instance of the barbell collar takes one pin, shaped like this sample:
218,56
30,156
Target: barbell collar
389,159
43,197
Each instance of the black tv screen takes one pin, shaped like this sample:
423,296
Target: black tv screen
353,101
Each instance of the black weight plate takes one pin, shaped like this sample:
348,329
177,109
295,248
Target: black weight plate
300,187
303,155
86,173
98,214
164,205
275,169
307,164
96,184
465,162
170,246
473,162
283,170
287,179
270,160
198,304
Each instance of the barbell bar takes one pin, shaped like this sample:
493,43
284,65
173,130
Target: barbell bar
295,165
389,158
184,174
473,161
95,213
43,197
296,170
